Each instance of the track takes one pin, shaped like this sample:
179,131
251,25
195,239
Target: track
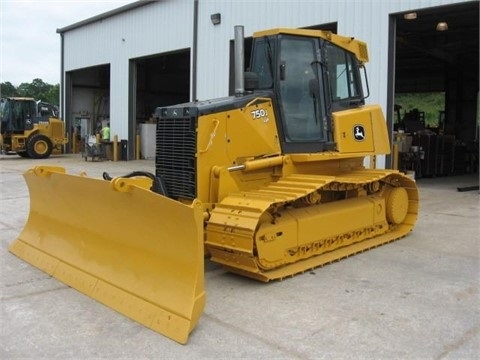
304,221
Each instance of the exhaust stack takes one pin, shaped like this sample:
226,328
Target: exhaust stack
239,60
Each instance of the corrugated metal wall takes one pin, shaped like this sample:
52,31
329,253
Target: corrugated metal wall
367,20
151,29
168,25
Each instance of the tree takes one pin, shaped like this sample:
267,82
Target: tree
7,89
53,94
37,89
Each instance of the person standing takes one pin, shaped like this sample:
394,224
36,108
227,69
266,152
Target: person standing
105,132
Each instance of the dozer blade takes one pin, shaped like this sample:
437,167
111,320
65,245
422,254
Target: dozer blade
131,249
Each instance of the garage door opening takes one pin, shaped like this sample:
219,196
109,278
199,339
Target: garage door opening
433,96
160,80
88,103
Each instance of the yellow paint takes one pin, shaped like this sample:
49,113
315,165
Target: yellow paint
152,273
257,211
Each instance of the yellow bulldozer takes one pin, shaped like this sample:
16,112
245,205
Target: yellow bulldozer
270,183
30,128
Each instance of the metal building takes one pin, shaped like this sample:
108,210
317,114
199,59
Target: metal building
119,66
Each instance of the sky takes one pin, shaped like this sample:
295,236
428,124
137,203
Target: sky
29,42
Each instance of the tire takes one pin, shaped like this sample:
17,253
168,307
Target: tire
39,147
23,154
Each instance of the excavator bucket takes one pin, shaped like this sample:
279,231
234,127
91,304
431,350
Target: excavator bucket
131,249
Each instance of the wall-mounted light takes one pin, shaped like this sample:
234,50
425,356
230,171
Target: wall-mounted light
410,16
216,18
442,26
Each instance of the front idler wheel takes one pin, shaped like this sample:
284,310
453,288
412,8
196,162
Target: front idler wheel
396,205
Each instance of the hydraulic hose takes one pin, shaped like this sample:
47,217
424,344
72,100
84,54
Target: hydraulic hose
158,184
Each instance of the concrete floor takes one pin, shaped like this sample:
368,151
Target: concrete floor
416,298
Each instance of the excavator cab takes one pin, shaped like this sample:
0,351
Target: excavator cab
269,183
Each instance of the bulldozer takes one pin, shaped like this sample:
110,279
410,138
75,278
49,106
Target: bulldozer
30,128
269,182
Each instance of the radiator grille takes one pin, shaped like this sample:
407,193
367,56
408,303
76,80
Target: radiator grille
175,156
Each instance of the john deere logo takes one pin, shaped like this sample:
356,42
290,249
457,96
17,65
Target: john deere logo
359,132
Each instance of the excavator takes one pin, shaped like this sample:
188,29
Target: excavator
270,182
30,128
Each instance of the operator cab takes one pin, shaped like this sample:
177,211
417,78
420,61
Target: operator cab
310,78
17,115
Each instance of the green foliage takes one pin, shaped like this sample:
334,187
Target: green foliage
7,89
37,89
429,103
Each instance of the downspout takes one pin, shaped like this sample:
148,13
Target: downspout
392,35
194,51
62,94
